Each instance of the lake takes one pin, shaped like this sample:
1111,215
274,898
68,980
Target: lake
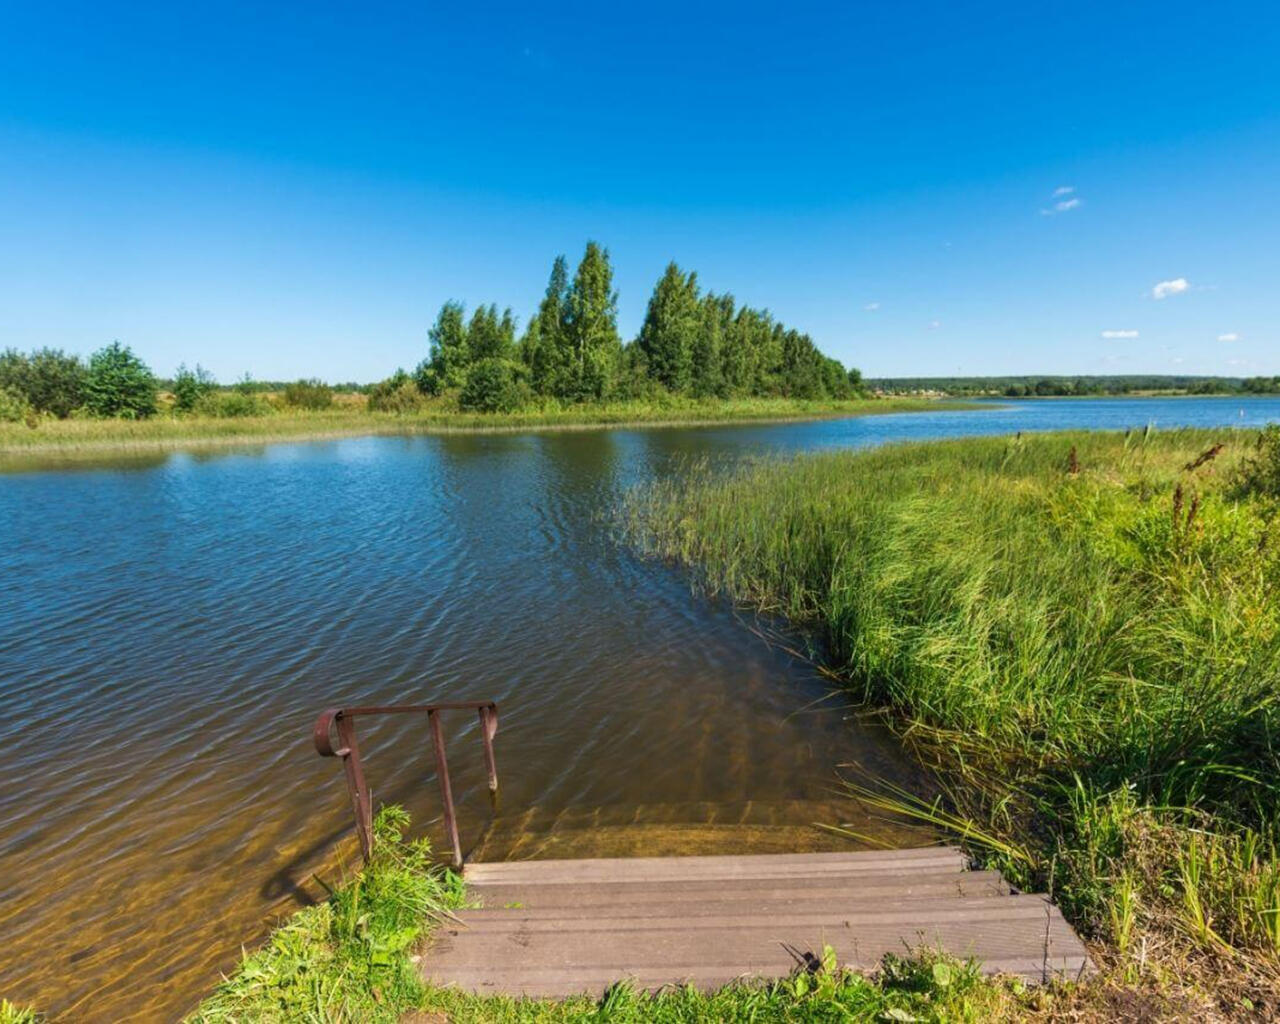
170,627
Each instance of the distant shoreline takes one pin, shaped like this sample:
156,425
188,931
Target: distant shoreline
67,441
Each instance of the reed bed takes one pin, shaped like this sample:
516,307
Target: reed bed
90,437
1080,631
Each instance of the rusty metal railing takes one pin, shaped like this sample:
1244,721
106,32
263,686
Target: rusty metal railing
349,750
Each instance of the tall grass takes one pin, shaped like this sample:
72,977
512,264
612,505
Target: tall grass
351,418
1082,629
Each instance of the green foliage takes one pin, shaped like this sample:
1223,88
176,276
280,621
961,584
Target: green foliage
490,336
48,380
1260,471
237,403
672,324
13,1014
399,393
347,959
14,407
189,386
119,384
308,394
592,352
1097,652
450,353
495,385
544,348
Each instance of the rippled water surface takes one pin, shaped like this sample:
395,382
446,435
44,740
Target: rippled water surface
169,629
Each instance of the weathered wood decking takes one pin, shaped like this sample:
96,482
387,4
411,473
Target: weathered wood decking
555,928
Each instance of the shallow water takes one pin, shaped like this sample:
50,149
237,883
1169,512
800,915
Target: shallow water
169,628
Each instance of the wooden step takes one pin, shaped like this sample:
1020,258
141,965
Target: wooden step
922,884
553,928
657,869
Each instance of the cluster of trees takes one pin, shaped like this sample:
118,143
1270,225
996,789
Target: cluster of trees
691,343
115,383
1261,385
1018,387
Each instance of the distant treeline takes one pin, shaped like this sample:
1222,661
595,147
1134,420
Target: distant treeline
1033,386
692,343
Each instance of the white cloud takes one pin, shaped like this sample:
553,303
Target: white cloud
934,324
1119,334
1064,190
1166,288
871,307
1062,206
1232,336
1176,360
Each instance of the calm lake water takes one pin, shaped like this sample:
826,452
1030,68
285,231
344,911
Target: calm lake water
170,627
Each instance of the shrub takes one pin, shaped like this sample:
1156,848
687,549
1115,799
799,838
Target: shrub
233,404
308,394
49,380
1260,472
189,386
14,407
398,394
119,384
495,385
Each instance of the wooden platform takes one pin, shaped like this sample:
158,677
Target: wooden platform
554,928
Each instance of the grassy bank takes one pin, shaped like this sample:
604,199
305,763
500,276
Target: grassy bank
72,437
1082,632
352,959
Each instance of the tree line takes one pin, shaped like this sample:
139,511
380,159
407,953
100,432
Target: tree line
694,344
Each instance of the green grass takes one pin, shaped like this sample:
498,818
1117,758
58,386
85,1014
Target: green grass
88,437
1091,659
347,959
10,1014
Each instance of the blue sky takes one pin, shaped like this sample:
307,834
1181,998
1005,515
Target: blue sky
925,188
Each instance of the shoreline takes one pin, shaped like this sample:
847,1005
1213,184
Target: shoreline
162,436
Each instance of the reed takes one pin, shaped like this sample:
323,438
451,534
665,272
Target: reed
1082,631
347,418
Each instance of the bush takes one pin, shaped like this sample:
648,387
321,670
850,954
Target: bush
119,384
14,407
49,380
308,394
1260,472
398,394
189,386
233,404
495,385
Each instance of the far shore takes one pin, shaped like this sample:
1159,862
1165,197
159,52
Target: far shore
75,439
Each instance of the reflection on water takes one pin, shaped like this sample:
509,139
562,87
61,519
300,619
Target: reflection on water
170,628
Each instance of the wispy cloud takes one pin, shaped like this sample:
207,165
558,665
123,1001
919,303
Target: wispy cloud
1166,288
934,324
1230,336
1119,334
871,307
1066,200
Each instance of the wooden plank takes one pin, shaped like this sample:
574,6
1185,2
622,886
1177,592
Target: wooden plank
757,866
614,894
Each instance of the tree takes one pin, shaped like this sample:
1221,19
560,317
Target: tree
450,352
705,359
495,385
544,348
118,383
189,386
591,329
48,380
310,394
490,336
671,325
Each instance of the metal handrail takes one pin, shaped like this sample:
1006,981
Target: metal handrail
349,750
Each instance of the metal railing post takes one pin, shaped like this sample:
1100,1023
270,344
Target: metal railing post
446,788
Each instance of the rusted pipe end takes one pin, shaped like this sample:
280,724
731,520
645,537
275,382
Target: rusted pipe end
322,734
